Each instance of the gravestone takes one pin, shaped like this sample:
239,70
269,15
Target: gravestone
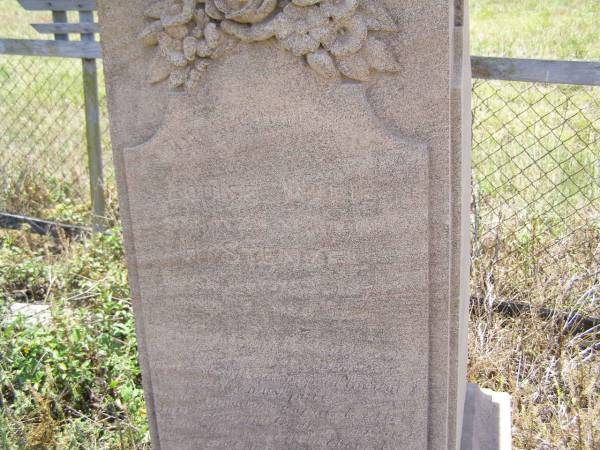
294,189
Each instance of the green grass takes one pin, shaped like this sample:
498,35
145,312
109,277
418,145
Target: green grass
14,20
76,384
552,29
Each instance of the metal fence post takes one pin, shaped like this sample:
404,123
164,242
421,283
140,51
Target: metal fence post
92,128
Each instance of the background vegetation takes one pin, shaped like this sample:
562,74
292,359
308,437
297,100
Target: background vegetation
75,384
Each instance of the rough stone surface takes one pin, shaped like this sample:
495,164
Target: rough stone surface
292,237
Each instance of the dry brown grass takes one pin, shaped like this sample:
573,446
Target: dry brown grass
552,373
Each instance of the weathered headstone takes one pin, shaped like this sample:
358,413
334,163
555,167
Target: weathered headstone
293,182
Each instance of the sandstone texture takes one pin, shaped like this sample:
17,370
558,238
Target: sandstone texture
294,187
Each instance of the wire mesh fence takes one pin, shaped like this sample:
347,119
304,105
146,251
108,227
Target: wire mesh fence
536,189
536,169
43,162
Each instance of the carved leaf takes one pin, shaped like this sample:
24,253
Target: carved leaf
294,11
190,44
322,63
353,66
177,58
203,49
160,69
197,32
300,44
150,34
211,10
245,33
212,35
166,43
201,66
377,18
305,2
380,57
187,13
262,31
178,77
242,32
172,49
339,9
201,18
192,79
155,11
195,74
283,26
225,45
177,31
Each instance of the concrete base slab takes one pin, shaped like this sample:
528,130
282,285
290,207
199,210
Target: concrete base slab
487,420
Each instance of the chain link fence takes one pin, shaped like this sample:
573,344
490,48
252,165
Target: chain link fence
43,162
536,170
536,191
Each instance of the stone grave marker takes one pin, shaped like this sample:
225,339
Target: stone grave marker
294,185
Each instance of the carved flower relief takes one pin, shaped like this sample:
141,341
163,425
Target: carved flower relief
336,37
303,30
184,36
243,11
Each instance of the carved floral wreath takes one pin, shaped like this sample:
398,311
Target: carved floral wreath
337,37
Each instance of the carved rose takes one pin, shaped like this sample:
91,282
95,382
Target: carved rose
298,28
345,36
339,9
243,11
337,38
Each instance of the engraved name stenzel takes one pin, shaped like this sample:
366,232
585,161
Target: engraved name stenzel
336,38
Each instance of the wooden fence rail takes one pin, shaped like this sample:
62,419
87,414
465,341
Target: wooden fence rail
536,70
61,49
487,68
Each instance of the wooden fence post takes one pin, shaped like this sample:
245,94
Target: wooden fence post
92,127
60,17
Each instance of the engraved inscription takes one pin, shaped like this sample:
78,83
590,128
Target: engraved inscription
284,275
